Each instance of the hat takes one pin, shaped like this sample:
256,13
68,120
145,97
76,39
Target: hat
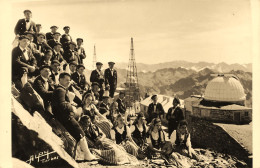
66,27
73,63
153,97
23,37
80,65
111,63
27,10
55,61
79,39
56,33
57,43
53,27
41,34
99,63
29,32
73,43
38,25
95,83
176,99
44,66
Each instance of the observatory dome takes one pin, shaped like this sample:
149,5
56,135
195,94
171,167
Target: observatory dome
225,89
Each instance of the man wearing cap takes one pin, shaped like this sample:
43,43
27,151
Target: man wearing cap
111,79
46,59
98,76
55,39
70,54
25,24
38,30
55,68
42,85
22,57
72,67
50,35
104,107
155,109
79,78
121,104
31,45
57,52
41,46
66,38
80,50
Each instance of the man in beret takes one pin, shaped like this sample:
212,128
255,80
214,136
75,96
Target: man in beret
80,79
55,71
70,54
57,54
22,57
25,24
55,39
50,35
111,79
66,38
42,85
80,50
121,104
41,46
98,76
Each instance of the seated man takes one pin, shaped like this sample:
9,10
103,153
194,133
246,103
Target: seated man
42,46
64,113
57,53
55,69
104,107
25,24
42,85
22,57
70,54
50,35
21,78
54,40
46,59
95,93
80,79
121,104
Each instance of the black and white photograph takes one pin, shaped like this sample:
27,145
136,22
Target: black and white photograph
130,83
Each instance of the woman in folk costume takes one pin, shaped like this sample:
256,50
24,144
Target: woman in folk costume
106,149
113,112
174,116
98,119
121,134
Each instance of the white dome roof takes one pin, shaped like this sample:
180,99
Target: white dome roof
225,88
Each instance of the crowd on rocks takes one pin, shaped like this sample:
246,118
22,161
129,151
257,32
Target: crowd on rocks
52,65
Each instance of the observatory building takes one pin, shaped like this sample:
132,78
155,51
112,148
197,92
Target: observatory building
224,101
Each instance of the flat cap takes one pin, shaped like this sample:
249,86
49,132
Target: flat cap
38,25
40,34
111,62
99,63
56,33
44,66
23,37
73,43
73,63
153,96
79,39
55,61
27,10
66,27
54,27
80,65
94,84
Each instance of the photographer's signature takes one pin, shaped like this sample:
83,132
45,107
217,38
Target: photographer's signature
43,157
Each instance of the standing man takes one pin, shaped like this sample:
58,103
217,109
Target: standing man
70,54
80,50
155,109
66,38
54,40
50,35
80,79
25,24
121,104
98,76
65,113
111,79
22,57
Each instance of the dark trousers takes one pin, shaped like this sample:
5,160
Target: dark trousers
112,91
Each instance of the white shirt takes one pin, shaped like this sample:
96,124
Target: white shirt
25,53
173,138
46,84
27,24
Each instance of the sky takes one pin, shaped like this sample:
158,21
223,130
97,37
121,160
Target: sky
163,30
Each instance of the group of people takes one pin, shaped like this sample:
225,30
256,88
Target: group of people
54,67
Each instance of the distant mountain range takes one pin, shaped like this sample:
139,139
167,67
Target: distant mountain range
219,67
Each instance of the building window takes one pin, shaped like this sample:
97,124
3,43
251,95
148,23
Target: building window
246,113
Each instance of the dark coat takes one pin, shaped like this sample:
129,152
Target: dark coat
49,36
95,77
81,84
178,116
20,27
42,47
121,106
68,56
103,108
38,86
81,53
57,56
51,42
19,61
111,79
43,62
158,113
64,40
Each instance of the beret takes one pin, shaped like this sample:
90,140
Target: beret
80,65
23,37
56,33
153,97
111,63
27,10
73,63
79,39
66,27
53,27
44,66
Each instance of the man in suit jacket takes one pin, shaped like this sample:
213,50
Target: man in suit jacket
55,69
42,46
71,54
57,55
111,79
121,104
80,79
66,38
104,107
155,109
50,35
46,59
25,24
98,76
54,40
42,85
80,50
22,57
31,45
65,113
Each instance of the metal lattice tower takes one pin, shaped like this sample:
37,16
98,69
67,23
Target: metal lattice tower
132,88
94,58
